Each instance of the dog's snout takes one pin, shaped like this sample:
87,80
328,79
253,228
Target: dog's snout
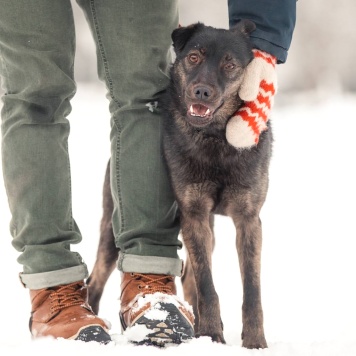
202,93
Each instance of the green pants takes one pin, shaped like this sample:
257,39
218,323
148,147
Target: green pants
37,47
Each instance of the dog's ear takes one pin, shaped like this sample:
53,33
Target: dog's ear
244,26
181,35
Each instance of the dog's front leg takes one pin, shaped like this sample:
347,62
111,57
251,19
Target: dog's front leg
249,242
188,280
197,237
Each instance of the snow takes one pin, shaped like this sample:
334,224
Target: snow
156,314
137,333
308,258
157,298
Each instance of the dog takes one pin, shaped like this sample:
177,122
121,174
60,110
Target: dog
208,175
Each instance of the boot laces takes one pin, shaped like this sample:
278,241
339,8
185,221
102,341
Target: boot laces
66,296
151,284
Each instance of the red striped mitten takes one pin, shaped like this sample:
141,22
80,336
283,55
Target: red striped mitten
257,91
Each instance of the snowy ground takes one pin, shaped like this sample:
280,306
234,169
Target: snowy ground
308,262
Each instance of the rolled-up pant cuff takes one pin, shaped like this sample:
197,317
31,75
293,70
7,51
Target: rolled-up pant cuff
54,278
150,264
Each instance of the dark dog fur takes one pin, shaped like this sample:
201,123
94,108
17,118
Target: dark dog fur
208,176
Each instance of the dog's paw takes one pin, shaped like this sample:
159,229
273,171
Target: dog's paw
254,342
215,337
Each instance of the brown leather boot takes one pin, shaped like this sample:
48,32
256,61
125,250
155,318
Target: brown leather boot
151,313
63,312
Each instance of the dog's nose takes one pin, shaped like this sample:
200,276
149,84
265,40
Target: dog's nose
202,93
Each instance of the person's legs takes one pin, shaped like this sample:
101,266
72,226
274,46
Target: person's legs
37,44
37,56
133,45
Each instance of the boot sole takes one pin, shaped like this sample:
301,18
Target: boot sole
93,333
175,329
87,333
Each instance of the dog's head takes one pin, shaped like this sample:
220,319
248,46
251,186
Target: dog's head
209,69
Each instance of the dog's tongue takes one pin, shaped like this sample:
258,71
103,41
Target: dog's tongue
199,110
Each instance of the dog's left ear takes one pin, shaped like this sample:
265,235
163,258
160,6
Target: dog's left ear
244,26
181,35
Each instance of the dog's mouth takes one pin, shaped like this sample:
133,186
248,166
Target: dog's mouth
199,115
199,110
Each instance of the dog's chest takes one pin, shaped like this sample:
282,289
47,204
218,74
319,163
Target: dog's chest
217,165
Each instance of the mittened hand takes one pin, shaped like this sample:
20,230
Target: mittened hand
257,90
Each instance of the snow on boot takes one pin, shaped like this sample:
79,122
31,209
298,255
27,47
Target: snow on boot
151,313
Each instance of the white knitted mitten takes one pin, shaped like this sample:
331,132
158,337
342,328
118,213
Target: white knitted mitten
257,91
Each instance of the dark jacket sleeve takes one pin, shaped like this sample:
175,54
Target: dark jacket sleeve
275,22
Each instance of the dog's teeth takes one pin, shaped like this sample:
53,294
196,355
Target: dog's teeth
191,110
194,113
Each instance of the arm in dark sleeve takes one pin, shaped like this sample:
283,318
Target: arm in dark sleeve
275,22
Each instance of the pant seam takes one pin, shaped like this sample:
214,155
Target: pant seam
118,184
70,225
109,83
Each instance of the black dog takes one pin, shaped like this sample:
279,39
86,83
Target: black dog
211,177
208,175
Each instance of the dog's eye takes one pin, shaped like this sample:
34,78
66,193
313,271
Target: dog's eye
194,58
230,66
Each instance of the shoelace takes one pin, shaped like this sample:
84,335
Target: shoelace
154,284
66,296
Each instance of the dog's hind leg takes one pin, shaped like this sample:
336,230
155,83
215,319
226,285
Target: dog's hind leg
249,243
107,253
188,280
